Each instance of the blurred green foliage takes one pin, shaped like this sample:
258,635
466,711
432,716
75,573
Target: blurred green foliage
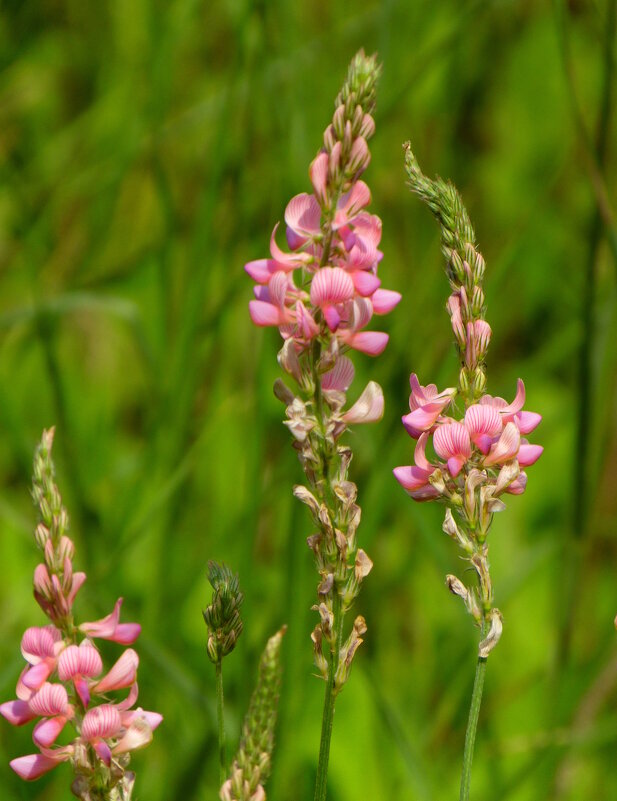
147,148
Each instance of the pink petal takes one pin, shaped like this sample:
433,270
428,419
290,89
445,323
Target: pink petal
318,172
39,642
50,700
264,314
331,285
101,721
527,421
370,342
17,712
369,406
286,261
78,580
340,376
452,440
38,675
303,215
121,675
260,270
365,282
332,317
47,730
422,419
518,402
34,765
103,751
482,421
529,454
506,447
307,326
384,300
517,487
455,465
352,203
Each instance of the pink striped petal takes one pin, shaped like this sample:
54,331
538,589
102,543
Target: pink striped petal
286,261
384,300
331,285
318,172
307,327
101,721
351,204
483,423
368,228
121,675
452,440
360,312
340,376
76,583
303,215
518,402
529,454
369,406
506,447
17,712
50,700
109,628
39,642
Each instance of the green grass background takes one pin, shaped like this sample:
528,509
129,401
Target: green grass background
147,147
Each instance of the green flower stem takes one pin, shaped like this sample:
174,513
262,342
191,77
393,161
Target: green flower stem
221,721
321,783
472,725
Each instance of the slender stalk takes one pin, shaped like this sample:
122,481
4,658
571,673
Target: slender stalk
472,725
221,721
321,783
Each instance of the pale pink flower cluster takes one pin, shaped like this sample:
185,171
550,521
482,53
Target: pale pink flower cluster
490,437
328,282
62,683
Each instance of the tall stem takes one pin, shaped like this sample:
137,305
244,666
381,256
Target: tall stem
221,721
321,784
472,726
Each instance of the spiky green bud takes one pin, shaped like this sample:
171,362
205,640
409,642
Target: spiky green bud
222,616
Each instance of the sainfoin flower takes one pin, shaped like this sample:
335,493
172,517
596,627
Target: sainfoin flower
62,683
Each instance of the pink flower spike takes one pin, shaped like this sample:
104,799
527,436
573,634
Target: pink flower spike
318,173
340,376
384,300
527,421
17,712
303,215
33,766
369,406
529,454
453,443
506,447
109,628
121,675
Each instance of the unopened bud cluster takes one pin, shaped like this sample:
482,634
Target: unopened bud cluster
62,683
222,616
251,767
480,451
